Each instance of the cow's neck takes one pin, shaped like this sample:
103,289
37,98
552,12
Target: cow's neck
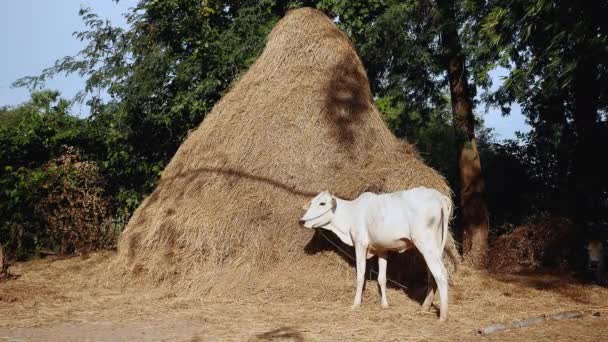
341,223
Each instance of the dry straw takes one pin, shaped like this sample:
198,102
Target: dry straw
300,121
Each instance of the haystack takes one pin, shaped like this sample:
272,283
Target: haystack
300,121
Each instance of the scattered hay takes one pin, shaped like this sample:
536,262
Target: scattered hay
56,299
545,243
300,121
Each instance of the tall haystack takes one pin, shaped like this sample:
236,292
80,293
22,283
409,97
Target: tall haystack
300,121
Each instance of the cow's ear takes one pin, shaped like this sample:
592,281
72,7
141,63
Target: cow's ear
334,204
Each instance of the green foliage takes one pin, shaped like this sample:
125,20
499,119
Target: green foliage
354,16
398,46
30,135
432,134
163,75
555,53
176,59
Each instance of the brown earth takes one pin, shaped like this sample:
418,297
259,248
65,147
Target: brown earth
64,300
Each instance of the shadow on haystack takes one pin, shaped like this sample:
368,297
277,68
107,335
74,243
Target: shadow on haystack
347,98
412,274
283,333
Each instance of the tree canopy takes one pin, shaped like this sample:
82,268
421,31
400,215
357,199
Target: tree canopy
176,58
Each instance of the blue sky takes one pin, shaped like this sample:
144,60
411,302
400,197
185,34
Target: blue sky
504,126
35,33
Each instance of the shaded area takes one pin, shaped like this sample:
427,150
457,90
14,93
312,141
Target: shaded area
347,98
546,243
408,269
567,285
547,254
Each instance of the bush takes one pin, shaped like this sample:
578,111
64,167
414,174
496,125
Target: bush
74,208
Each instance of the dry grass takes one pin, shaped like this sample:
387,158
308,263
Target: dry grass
60,299
215,253
547,242
300,121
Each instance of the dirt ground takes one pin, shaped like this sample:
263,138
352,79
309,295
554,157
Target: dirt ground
59,300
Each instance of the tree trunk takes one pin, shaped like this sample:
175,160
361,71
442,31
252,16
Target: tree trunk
3,263
472,204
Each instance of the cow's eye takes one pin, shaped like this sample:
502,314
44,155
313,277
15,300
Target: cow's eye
322,203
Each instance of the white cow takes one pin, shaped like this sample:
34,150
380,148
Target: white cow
376,224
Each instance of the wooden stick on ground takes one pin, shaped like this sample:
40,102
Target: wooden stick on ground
529,322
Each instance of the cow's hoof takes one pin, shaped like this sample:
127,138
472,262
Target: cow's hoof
443,319
354,306
385,305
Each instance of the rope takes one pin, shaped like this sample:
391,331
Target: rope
355,261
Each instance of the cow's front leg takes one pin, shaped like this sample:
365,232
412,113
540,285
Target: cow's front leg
382,278
360,252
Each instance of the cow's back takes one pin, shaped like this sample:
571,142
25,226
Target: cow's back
407,202
401,209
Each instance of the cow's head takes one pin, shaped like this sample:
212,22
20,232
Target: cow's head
595,253
319,210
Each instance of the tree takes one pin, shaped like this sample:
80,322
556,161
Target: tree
3,264
30,135
168,69
162,74
398,42
556,55
474,219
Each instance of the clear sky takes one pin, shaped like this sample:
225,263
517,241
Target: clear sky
35,33
504,126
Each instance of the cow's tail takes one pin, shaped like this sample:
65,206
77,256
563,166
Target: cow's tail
446,215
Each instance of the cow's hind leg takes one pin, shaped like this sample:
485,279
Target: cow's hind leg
435,264
430,294
382,278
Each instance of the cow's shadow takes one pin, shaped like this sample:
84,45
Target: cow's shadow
405,271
